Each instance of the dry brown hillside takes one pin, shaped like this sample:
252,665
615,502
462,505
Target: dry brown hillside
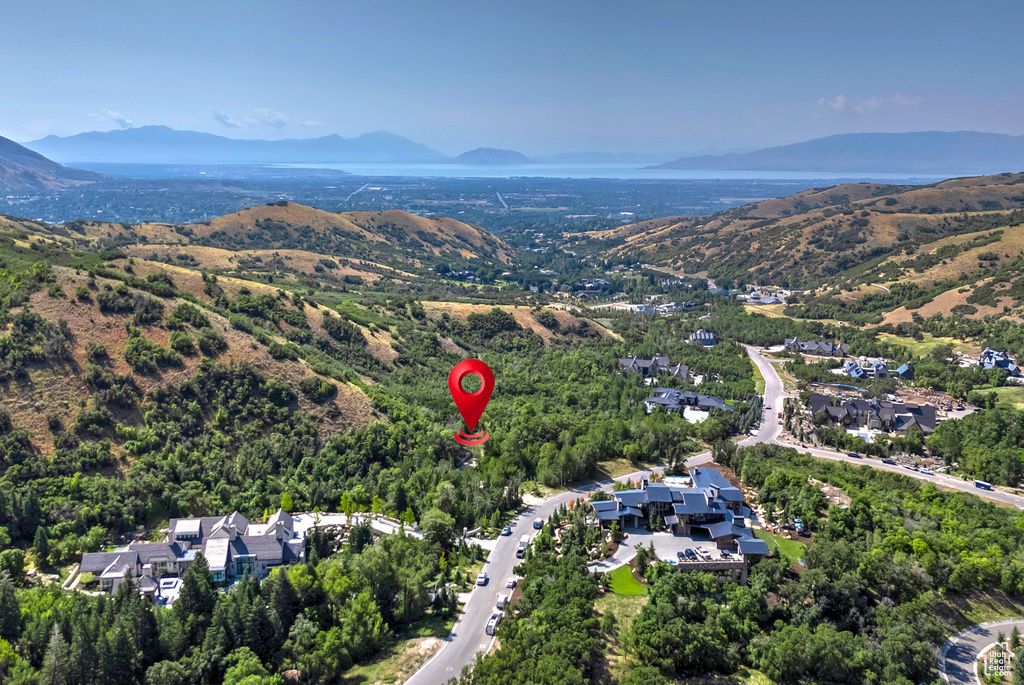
833,235
393,238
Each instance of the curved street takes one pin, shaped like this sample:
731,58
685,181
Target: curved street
468,637
958,659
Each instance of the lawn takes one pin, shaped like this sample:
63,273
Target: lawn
623,583
1012,394
791,549
929,343
758,379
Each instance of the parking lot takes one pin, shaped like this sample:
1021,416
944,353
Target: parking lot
667,546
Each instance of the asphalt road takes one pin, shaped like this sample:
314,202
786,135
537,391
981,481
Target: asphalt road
957,663
468,636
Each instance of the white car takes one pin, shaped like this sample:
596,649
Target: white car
492,623
481,578
927,472
502,601
703,553
510,583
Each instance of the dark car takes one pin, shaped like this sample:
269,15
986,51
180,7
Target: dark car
855,455
887,460
690,554
681,556
506,531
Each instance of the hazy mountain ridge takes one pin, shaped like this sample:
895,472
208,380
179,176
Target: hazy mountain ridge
923,152
22,169
161,144
492,156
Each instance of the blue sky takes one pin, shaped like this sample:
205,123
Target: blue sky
539,77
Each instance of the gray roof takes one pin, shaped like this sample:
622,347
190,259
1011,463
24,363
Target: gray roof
722,529
752,546
658,492
631,498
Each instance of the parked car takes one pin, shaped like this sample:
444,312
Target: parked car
481,578
510,583
690,554
492,623
680,556
703,553
887,460
502,601
506,531
538,524
855,455
725,554
927,472
909,467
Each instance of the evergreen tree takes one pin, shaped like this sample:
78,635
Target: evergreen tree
41,546
10,610
194,606
57,661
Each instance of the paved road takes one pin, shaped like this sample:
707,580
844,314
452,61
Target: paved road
468,636
957,663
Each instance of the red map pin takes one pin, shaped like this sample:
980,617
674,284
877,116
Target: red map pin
471,404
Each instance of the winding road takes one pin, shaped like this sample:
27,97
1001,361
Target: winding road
468,636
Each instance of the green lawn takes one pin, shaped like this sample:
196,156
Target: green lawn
1012,394
758,379
929,343
791,549
623,582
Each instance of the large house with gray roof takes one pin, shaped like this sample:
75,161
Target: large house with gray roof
656,365
708,506
676,401
819,349
884,416
231,545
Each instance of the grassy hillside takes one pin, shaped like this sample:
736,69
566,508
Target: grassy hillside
369,239
831,236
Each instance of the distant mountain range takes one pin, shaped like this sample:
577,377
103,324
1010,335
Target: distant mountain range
163,145
23,170
924,152
493,156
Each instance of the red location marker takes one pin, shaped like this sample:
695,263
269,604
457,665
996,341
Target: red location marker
471,404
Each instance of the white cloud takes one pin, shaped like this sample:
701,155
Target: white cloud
225,119
263,116
113,115
269,117
864,107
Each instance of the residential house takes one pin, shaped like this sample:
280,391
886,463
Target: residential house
231,546
995,359
905,372
673,400
705,338
710,506
864,369
884,416
650,368
820,349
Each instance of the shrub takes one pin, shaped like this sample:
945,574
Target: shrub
144,356
181,342
317,389
210,341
